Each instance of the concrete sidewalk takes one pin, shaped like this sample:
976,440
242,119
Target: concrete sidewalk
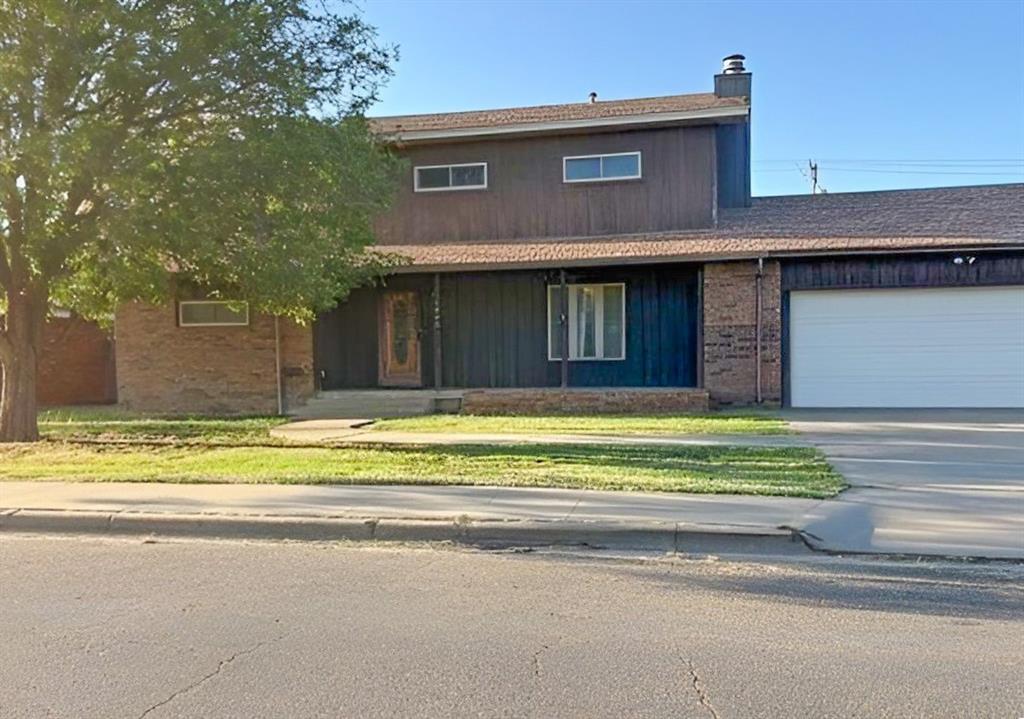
513,516
938,482
855,522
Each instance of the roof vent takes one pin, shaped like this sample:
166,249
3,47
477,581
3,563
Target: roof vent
733,65
593,98
733,80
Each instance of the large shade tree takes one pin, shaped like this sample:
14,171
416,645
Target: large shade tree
150,144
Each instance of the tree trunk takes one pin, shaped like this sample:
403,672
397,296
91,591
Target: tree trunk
18,405
19,344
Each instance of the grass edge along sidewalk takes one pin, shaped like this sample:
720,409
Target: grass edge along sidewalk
115,424
195,449
768,471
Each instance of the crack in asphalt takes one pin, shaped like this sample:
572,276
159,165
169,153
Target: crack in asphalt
700,691
536,660
220,666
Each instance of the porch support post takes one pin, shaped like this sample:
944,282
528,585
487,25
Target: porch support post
700,329
438,376
564,311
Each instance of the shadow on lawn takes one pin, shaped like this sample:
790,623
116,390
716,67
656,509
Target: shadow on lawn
786,465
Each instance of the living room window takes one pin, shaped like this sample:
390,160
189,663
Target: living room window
438,178
597,322
212,313
601,168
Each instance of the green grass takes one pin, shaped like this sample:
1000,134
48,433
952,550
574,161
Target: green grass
114,424
792,472
108,444
601,424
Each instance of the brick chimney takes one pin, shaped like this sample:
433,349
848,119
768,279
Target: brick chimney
734,80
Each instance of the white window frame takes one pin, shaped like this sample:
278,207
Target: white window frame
183,323
416,177
639,167
598,321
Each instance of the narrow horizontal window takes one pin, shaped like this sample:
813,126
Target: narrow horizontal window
597,322
212,313
435,178
598,168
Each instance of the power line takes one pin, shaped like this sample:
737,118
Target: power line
889,171
907,161
923,172
812,176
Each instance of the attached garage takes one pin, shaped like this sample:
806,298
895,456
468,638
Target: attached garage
934,347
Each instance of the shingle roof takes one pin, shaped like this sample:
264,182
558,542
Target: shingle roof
991,215
602,109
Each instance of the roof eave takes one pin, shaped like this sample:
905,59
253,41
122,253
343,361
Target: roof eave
981,246
639,120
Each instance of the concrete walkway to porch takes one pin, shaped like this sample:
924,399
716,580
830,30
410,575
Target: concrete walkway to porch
360,431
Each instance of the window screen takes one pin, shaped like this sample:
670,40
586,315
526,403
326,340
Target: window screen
201,313
594,168
597,322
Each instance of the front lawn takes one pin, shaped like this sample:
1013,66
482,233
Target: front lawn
789,471
598,424
109,423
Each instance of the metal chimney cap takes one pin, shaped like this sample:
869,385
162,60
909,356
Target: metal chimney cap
593,97
733,64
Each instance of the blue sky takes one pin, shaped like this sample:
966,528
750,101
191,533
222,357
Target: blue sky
882,94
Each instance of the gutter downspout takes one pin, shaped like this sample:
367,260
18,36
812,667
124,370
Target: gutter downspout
758,312
277,365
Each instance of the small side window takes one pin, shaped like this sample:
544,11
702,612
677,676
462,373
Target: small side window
598,168
212,313
438,178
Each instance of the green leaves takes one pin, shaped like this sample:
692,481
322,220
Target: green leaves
147,145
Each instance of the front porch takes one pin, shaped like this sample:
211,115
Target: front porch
603,330
369,404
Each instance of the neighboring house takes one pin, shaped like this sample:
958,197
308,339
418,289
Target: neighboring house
614,245
76,362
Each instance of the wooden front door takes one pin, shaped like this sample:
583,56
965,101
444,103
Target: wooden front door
400,364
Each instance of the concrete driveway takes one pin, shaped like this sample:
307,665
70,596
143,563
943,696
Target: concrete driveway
947,482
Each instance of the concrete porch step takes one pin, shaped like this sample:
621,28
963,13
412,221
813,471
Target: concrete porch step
383,403
375,404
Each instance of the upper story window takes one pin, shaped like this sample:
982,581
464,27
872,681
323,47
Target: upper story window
437,178
212,313
597,322
600,168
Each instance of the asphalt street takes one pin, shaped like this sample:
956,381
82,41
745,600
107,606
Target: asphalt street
129,628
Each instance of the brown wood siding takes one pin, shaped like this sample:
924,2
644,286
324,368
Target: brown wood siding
494,331
912,270
526,197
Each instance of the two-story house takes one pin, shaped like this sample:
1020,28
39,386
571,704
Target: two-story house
608,255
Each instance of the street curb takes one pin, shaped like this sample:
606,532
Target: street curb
649,536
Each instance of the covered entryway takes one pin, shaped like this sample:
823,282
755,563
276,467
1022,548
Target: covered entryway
936,347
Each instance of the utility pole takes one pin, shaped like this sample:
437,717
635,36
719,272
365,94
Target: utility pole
813,167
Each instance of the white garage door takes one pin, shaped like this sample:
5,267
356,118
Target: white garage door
961,347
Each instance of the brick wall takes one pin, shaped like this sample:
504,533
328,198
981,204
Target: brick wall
546,401
218,370
76,363
730,292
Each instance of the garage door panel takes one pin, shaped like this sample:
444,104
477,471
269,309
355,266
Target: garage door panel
957,347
